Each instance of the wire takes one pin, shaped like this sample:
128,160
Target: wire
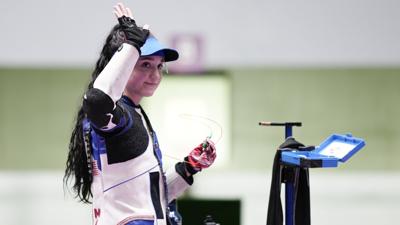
203,120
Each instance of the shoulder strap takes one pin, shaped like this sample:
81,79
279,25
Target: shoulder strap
146,119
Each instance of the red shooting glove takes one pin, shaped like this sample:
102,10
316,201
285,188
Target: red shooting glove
202,156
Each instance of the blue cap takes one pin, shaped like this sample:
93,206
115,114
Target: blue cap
153,47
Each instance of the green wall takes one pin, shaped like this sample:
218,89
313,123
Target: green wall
38,107
364,102
36,116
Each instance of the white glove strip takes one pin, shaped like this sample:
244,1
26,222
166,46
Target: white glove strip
112,80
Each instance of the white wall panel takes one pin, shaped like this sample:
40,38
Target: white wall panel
236,33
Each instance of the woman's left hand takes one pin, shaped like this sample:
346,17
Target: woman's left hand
203,156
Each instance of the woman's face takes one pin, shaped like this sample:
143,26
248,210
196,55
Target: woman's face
145,78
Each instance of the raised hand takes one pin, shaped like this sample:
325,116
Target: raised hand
134,34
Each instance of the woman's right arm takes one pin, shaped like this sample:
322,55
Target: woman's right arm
99,102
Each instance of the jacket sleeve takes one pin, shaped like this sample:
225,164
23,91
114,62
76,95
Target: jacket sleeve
177,181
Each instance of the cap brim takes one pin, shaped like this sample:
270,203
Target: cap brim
153,47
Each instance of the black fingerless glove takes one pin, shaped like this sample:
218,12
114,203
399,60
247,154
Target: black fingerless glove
189,167
135,35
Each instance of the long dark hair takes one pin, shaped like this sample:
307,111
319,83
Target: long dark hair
77,165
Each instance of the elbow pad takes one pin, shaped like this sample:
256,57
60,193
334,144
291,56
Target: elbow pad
99,108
